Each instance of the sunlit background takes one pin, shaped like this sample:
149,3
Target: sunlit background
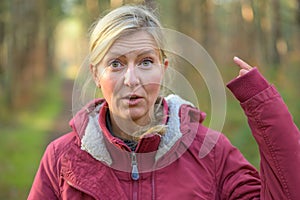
44,42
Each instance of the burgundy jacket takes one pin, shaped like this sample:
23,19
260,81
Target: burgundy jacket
89,163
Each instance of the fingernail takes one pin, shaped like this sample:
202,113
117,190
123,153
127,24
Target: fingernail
236,58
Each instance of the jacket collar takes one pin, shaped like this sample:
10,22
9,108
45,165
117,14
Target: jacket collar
92,139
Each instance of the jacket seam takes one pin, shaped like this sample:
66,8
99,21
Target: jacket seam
215,168
222,191
58,194
273,154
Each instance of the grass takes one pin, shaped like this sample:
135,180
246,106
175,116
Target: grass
23,143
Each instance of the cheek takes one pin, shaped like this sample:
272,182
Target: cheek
107,87
152,77
152,84
152,91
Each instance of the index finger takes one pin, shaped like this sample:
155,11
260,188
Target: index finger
242,64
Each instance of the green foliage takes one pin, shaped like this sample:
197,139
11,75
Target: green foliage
23,142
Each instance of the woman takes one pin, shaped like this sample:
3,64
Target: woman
134,144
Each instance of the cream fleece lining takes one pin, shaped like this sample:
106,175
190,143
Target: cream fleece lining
93,139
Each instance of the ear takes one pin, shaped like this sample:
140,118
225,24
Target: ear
94,72
166,63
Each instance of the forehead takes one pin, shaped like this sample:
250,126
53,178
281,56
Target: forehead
133,42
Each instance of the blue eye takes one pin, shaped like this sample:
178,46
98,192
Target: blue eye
146,63
115,64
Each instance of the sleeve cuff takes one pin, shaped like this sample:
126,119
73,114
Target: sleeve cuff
248,85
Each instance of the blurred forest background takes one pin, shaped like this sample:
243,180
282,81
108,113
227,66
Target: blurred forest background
43,43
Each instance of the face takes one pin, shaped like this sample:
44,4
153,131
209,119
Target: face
130,75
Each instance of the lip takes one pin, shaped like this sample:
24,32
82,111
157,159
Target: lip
132,99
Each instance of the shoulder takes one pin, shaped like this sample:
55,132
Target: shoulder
60,145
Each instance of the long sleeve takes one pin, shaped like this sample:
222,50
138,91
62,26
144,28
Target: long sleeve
277,136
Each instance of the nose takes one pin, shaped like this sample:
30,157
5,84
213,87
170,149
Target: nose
130,78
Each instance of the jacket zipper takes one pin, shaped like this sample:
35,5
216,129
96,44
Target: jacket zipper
153,185
134,172
135,176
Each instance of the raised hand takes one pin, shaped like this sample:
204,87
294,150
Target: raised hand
244,67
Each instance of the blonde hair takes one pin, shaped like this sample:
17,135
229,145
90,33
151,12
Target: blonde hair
121,21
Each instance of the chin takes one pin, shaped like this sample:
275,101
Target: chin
141,118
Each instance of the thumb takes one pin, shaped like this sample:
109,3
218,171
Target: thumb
243,72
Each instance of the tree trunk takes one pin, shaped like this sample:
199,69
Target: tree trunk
26,58
275,33
298,13
259,8
207,26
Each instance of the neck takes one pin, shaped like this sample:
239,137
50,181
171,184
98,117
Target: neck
127,129
134,130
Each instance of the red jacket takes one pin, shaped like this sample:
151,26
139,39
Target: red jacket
89,163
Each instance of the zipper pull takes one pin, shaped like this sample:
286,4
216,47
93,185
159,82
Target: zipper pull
135,172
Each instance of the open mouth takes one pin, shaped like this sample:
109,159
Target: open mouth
133,97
